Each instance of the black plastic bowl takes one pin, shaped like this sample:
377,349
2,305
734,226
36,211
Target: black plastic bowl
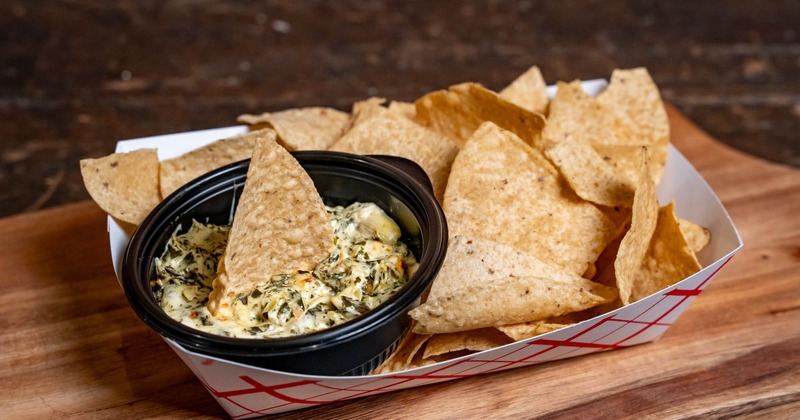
397,185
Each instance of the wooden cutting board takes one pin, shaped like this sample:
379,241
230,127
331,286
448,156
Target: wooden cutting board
72,347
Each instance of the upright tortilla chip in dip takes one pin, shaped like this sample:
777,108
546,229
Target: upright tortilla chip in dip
313,128
280,226
124,185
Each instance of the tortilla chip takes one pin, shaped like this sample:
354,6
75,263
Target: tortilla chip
625,160
590,176
605,262
606,275
403,358
475,340
669,257
528,91
450,356
510,300
180,170
696,236
619,216
590,272
525,330
280,226
577,116
634,97
374,106
124,185
406,109
634,245
473,261
502,190
366,109
458,111
313,128
608,127
386,133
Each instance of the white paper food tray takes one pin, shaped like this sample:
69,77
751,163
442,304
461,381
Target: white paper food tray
247,391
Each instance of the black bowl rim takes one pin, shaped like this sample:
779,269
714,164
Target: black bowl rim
417,185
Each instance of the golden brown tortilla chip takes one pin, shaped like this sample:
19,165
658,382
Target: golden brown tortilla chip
280,226
458,111
605,274
474,340
178,171
506,301
619,216
406,109
366,109
313,128
590,272
590,176
404,357
443,357
611,128
634,97
374,106
634,245
124,185
472,261
696,236
502,190
577,116
669,258
625,160
529,91
387,133
525,330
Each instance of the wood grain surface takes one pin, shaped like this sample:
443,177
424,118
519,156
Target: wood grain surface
76,76
73,348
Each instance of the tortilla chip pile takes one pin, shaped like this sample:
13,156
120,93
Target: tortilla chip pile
551,203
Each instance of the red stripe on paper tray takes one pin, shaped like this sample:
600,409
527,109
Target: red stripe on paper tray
324,393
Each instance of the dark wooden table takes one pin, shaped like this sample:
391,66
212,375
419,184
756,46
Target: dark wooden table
78,75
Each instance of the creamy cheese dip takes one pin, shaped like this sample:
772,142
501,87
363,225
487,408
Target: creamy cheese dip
367,266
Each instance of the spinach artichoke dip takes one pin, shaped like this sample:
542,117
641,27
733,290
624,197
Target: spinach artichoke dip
367,266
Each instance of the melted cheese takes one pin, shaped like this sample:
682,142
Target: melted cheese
367,266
